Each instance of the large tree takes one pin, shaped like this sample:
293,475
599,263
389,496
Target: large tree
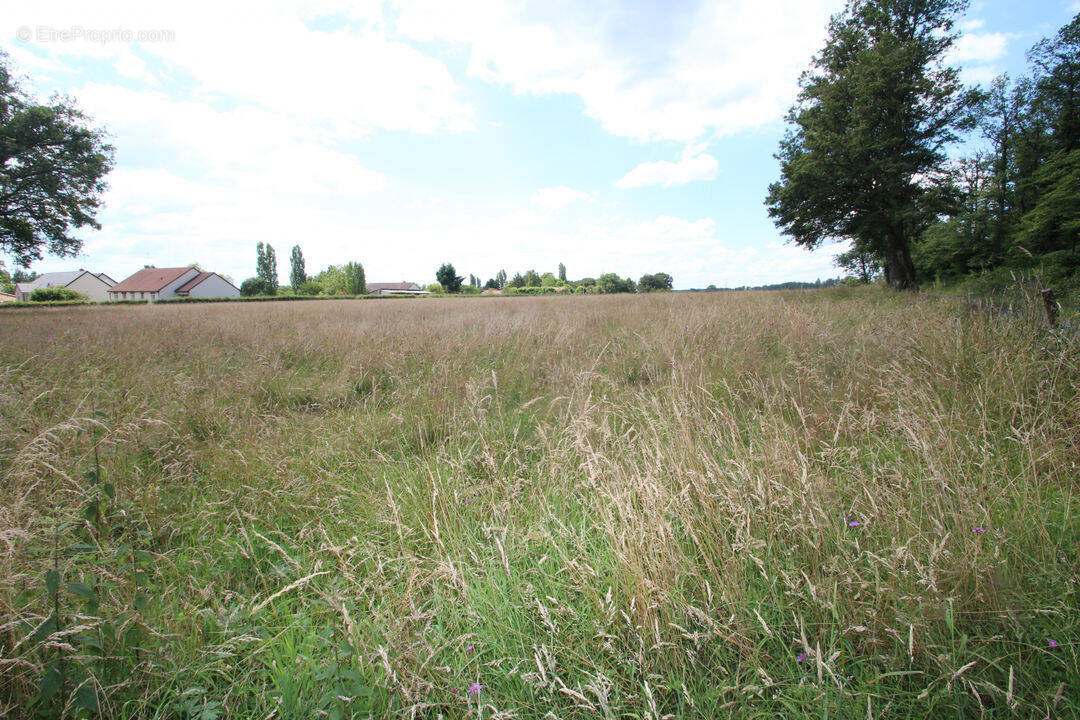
355,282
1052,223
266,267
52,173
864,158
448,278
297,273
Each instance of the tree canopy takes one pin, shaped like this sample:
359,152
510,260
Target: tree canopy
1018,202
297,274
266,267
864,158
448,278
52,173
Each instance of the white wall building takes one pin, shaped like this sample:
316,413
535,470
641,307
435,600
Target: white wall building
95,286
152,283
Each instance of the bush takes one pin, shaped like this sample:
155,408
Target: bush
309,287
612,283
55,294
659,282
434,288
535,290
253,286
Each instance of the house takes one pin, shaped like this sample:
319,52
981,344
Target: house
491,291
401,288
95,286
208,285
6,297
154,283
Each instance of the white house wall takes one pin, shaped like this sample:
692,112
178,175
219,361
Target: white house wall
213,287
170,290
91,286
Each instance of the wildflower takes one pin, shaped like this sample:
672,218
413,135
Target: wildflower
851,523
468,649
1051,643
800,658
978,529
475,689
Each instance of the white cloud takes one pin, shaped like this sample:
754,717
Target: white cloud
689,168
979,47
557,198
247,145
717,68
350,81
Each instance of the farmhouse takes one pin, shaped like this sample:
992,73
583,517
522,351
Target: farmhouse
401,288
6,297
153,283
94,286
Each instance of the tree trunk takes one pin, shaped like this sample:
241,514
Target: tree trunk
901,270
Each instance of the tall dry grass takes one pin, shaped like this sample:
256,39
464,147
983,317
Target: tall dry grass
824,503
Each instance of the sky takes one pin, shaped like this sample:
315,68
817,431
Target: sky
627,136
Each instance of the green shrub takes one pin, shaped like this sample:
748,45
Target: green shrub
309,287
253,286
535,290
56,294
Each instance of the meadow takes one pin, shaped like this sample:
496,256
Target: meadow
834,504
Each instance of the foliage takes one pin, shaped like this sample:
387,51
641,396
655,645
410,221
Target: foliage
656,282
500,279
52,170
355,283
309,287
266,268
542,290
253,286
448,278
297,276
864,265
435,288
1019,207
864,156
55,294
612,283
562,272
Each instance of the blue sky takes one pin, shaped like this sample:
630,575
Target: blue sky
625,137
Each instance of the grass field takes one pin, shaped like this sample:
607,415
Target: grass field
828,504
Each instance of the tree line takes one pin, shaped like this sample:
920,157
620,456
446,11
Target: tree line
532,283
349,279
866,154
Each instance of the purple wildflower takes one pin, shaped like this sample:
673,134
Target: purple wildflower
475,689
800,658
851,523
468,649
1051,643
978,529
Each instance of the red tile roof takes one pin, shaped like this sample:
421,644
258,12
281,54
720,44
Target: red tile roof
150,279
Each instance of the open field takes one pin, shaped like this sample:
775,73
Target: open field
840,504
